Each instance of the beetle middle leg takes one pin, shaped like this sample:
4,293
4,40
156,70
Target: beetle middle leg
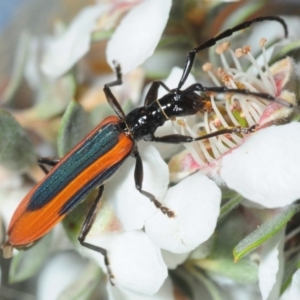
48,161
87,225
179,138
138,178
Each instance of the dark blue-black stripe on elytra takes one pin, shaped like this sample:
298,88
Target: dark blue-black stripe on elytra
97,145
81,194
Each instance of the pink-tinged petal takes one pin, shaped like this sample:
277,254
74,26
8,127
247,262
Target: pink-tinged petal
135,261
66,50
129,205
282,72
196,203
293,291
173,260
61,271
265,168
181,165
164,293
275,113
271,267
138,34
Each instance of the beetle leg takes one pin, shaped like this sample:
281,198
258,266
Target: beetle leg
111,99
178,138
224,90
138,178
48,161
153,91
86,226
211,42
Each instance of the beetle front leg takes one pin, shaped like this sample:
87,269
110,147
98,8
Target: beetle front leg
48,161
153,91
87,225
181,139
138,178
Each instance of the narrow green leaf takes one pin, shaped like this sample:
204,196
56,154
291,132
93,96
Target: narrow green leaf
55,97
211,287
18,68
28,262
243,272
289,269
74,127
229,206
16,149
264,232
101,35
84,286
220,261
292,49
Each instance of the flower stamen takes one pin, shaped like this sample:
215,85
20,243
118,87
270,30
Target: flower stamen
208,67
231,109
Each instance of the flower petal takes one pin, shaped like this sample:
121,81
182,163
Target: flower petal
164,293
135,261
59,273
138,34
130,206
265,168
293,291
173,260
268,272
67,49
196,203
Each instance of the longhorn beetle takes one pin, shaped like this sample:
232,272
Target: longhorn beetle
99,155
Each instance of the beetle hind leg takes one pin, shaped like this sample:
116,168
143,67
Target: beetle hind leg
138,177
86,226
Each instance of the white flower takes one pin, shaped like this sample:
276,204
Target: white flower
293,291
128,45
135,255
262,166
271,267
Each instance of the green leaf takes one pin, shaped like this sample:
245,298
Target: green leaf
292,50
55,97
28,262
229,206
84,286
289,269
212,289
264,232
18,67
101,35
243,272
220,259
16,149
74,127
